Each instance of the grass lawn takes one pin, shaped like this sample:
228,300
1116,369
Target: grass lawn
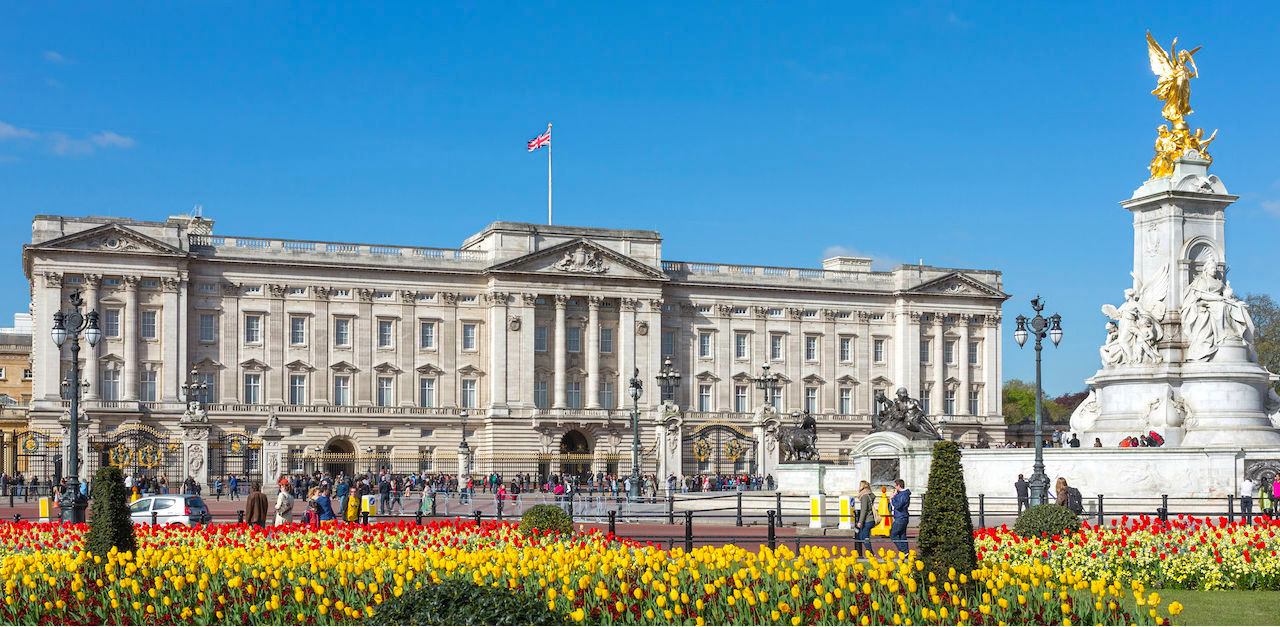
1225,607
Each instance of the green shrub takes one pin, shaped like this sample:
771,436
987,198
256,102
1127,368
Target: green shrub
109,522
540,518
946,530
1046,520
458,602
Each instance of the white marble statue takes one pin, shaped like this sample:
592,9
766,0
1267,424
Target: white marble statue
1212,316
1133,335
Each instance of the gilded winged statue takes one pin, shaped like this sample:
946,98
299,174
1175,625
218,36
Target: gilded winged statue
1174,70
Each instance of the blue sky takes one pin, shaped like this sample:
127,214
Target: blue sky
981,135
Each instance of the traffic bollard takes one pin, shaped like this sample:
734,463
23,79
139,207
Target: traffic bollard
739,509
688,532
240,516
982,511
613,522
154,518
417,518
773,533
476,515
1100,523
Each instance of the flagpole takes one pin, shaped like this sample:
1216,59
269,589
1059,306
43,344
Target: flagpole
549,177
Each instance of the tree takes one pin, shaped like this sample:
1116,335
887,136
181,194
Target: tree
1020,404
946,529
1266,322
109,521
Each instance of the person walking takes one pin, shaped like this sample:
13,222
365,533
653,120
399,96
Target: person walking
1246,497
866,518
397,488
899,502
1022,488
284,505
1074,442
256,507
324,505
1061,489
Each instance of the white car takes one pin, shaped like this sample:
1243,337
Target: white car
181,509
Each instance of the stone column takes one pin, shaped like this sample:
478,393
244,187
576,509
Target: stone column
668,431
912,381
275,336
763,426
939,366
195,447
170,338
864,346
272,459
990,364
528,322
91,353
562,301
406,347
498,350
185,341
321,348
46,357
363,331
649,364
592,388
229,381
129,334
626,347
962,363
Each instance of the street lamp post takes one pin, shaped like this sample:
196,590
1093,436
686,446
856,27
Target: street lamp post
1039,326
69,325
192,387
768,383
635,388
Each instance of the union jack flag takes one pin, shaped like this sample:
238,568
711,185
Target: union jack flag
541,140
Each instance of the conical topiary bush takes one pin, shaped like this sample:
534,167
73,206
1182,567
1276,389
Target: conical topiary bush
946,530
109,522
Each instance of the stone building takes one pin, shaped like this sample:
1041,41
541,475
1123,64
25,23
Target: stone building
366,355
15,392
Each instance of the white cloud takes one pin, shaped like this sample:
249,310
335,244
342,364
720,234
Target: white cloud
9,131
52,56
64,146
878,262
1272,207
109,139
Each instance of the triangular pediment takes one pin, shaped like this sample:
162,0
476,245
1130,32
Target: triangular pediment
706,376
298,365
742,377
343,366
253,364
429,370
581,257
814,379
847,380
958,284
386,368
470,371
112,238
207,364
881,382
111,358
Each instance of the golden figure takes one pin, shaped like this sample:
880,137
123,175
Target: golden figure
1166,151
1174,84
1201,144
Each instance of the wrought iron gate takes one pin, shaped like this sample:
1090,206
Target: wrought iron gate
235,455
37,455
719,449
141,451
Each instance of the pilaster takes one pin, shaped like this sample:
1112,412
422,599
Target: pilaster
962,362
130,336
939,365
170,339
498,349
627,361
92,283
592,388
561,301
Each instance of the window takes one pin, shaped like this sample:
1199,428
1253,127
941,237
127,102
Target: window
775,346
295,431
949,403
811,400
739,345
468,337
704,398
811,348
427,335
949,352
606,341
2,373
469,393
342,331
924,351
573,339
208,328
739,398
111,323
297,389
110,385
252,388
342,389
384,432
973,402
540,339
426,393
425,433
147,325
385,330
297,330
704,344
540,394
926,398
606,395
777,400
973,353
26,374
207,391
878,351
846,349
573,394
846,401
384,392
147,386
668,343
253,329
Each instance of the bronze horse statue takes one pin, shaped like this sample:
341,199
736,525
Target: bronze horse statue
799,443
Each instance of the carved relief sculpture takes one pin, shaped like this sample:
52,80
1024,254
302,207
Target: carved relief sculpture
582,259
1213,316
1133,335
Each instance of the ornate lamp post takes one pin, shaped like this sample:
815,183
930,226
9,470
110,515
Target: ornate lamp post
192,387
1039,326
768,383
635,388
69,325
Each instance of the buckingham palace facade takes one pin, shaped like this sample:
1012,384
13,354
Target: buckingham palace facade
249,356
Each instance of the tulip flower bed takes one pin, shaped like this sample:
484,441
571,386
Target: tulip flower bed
341,574
1184,553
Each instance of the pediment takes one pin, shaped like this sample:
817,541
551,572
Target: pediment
253,364
470,371
580,257
706,376
112,238
847,380
881,382
208,364
298,365
958,284
429,370
343,366
386,368
814,379
783,378
111,358
742,377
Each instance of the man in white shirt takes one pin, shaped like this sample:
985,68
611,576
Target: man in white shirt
1246,496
